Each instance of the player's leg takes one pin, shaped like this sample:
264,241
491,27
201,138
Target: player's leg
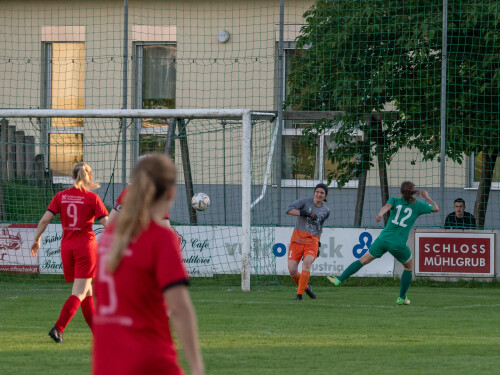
406,259
87,267
293,269
310,254
377,249
72,303
79,291
295,253
294,257
88,308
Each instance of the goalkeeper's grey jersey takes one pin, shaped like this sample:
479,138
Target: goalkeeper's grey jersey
307,224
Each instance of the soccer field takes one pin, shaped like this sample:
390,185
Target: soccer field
350,329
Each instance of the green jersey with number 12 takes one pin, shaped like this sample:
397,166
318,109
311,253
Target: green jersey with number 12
401,218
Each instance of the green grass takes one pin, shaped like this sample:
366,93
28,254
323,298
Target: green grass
351,329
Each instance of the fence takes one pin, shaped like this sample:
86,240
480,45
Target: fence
374,92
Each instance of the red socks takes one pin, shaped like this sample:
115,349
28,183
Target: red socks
69,309
304,279
88,309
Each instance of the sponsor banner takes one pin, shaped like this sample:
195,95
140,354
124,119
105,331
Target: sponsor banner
209,250
50,248
339,248
15,248
455,254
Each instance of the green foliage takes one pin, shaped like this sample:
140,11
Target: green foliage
25,202
362,56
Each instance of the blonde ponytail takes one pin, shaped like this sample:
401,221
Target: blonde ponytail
82,174
150,180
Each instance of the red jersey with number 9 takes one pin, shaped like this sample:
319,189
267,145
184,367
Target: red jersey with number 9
78,210
131,326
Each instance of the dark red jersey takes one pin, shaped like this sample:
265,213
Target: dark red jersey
78,210
131,326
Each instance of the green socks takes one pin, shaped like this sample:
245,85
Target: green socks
405,283
351,270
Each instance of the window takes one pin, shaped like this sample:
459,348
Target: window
303,163
155,79
476,163
64,89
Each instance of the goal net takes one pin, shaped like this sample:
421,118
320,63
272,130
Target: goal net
225,154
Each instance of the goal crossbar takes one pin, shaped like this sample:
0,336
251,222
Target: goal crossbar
125,113
244,114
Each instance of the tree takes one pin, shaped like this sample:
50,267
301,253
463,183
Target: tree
360,56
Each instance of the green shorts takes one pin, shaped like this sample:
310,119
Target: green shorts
380,247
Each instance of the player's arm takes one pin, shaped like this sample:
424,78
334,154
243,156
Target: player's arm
386,208
166,223
103,220
293,212
295,208
112,216
424,194
184,321
42,225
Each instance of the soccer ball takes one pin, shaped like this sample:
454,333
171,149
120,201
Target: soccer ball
200,201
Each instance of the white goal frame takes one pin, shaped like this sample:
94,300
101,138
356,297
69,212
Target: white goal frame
246,172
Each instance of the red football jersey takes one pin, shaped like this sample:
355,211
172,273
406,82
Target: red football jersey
78,210
119,202
131,326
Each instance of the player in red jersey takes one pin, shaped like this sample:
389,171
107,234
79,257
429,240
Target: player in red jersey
140,273
118,206
78,207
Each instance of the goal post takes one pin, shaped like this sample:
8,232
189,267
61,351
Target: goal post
236,116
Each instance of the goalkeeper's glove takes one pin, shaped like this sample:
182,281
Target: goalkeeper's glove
319,246
304,213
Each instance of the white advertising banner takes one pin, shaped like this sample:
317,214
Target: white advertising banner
217,250
15,248
339,248
209,250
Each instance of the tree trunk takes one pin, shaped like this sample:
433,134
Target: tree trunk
382,165
360,198
384,182
483,192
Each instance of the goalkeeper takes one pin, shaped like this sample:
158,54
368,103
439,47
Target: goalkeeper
304,245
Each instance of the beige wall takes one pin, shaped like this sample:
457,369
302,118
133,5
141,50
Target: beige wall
236,74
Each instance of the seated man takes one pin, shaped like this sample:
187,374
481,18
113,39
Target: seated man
460,219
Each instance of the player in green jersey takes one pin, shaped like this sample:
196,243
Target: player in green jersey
403,213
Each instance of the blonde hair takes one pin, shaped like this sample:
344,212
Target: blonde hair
408,191
151,178
82,174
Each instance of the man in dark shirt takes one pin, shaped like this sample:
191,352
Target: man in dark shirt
460,219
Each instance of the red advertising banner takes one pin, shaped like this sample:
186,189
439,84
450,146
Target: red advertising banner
15,248
455,254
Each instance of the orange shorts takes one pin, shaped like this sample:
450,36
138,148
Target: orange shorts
298,251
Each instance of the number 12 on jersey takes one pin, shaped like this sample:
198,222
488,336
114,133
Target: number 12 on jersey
408,211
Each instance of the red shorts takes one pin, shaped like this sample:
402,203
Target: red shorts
298,251
79,263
